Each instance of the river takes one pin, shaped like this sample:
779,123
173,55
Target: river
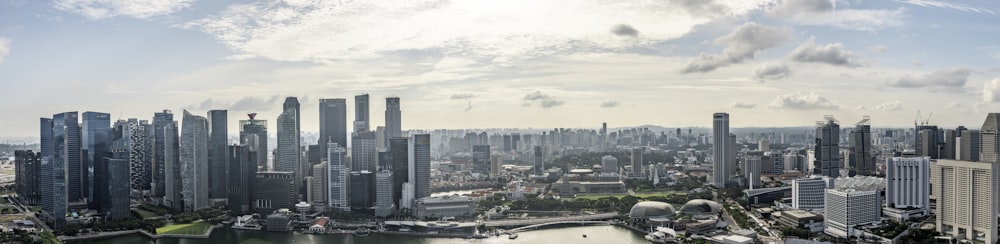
563,235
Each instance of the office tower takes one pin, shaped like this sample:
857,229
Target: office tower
989,139
65,138
948,144
383,194
861,159
968,146
809,193
751,170
274,190
515,140
160,120
114,170
399,157
507,143
362,190
636,161
967,200
721,151
604,135
364,156
242,169
253,132
827,161
137,135
332,123
337,178
27,170
381,141
361,118
194,162
927,141
609,164
320,186
173,182
420,165
68,150
481,159
495,162
763,146
539,162
46,185
218,153
313,154
393,118
908,185
848,208
94,131
287,156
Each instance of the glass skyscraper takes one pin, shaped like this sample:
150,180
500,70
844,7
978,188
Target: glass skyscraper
332,123
194,162
217,153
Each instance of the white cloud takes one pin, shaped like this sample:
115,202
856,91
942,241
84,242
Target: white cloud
952,78
799,101
772,71
832,54
948,5
459,96
742,44
486,31
610,104
546,100
4,48
991,90
889,106
878,48
796,7
822,13
743,105
139,9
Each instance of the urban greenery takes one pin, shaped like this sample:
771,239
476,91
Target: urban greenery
196,228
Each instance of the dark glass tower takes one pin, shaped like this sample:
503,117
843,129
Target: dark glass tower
160,120
94,135
393,118
253,133
242,168
46,186
27,166
399,161
332,123
421,172
362,121
218,138
481,159
827,151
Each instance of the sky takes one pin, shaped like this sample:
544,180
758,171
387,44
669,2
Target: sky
506,64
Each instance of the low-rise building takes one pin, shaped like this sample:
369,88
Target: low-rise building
445,206
802,220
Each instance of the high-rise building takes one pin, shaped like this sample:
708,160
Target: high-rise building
809,193
495,162
827,161
194,162
393,118
160,120
383,194
274,190
71,155
138,147
609,164
928,141
65,151
861,160
762,145
481,159
115,176
539,162
242,170
94,131
989,139
847,208
218,153
420,165
364,155
399,157
949,143
46,186
338,178
967,199
320,186
907,186
332,123
721,151
287,156
361,118
362,193
253,132
173,182
751,170
636,158
381,142
968,146
27,166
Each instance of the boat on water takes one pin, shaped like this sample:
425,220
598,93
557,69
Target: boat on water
362,232
662,235
512,236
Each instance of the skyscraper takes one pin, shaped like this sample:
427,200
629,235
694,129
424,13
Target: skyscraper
253,132
393,118
67,149
361,118
160,120
420,165
362,193
337,178
113,186
218,153
94,135
907,185
861,159
721,152
194,162
539,162
173,182
928,141
967,199
399,157
287,157
242,169
46,169
481,159
320,186
332,123
827,151
274,190
364,156
383,193
968,146
137,146
989,139
27,166
636,158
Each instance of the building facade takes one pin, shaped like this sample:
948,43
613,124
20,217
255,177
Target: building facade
809,193
332,123
393,118
967,199
907,187
194,162
384,205
218,153
338,178
274,190
847,208
721,151
242,170
827,152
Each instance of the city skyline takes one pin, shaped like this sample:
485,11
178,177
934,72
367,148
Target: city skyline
464,65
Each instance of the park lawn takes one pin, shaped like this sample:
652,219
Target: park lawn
195,228
619,196
145,214
11,217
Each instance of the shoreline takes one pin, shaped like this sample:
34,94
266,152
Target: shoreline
106,235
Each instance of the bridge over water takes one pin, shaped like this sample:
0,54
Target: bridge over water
544,221
531,227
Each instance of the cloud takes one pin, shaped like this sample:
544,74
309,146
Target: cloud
139,9
940,4
624,30
485,31
825,13
952,78
799,101
772,71
742,44
991,90
743,105
889,106
4,48
459,96
702,7
794,7
546,100
832,54
610,104
878,48
246,104
468,108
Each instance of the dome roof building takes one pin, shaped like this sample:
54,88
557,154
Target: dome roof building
701,207
652,209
